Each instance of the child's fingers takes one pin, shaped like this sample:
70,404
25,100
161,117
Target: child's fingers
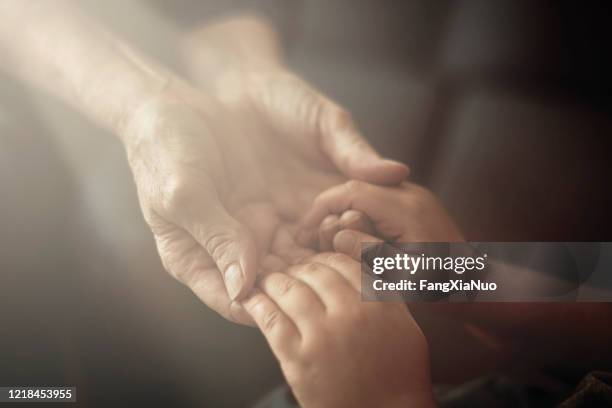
327,230
349,242
347,268
280,332
357,221
351,195
295,298
332,288
350,219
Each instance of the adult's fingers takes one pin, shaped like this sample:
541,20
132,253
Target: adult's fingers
350,152
209,287
189,263
228,242
280,332
262,221
297,108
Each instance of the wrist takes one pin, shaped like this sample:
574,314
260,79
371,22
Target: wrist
239,44
137,124
121,87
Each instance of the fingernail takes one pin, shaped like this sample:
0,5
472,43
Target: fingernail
234,280
344,242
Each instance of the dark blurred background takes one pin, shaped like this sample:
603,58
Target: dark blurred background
500,107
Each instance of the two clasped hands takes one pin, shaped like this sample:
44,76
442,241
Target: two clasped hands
258,190
267,230
259,199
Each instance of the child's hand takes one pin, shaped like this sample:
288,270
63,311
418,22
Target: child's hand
334,349
332,224
409,213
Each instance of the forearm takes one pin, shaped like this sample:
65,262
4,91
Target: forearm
241,43
54,46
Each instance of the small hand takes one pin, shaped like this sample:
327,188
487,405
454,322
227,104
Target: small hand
408,213
334,349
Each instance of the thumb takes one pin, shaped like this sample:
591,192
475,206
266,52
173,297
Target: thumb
351,153
349,242
229,244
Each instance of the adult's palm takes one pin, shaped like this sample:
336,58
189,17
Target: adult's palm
217,178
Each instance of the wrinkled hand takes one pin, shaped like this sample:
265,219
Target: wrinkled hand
239,60
215,183
314,127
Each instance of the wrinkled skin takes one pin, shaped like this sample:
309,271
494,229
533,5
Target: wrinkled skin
214,190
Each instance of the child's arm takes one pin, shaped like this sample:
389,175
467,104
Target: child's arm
334,349
409,213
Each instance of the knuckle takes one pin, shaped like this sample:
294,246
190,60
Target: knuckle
188,271
313,268
309,107
270,320
286,286
334,118
219,242
178,193
181,263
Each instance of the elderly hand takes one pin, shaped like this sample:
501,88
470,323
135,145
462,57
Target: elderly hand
239,61
212,180
217,177
215,187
